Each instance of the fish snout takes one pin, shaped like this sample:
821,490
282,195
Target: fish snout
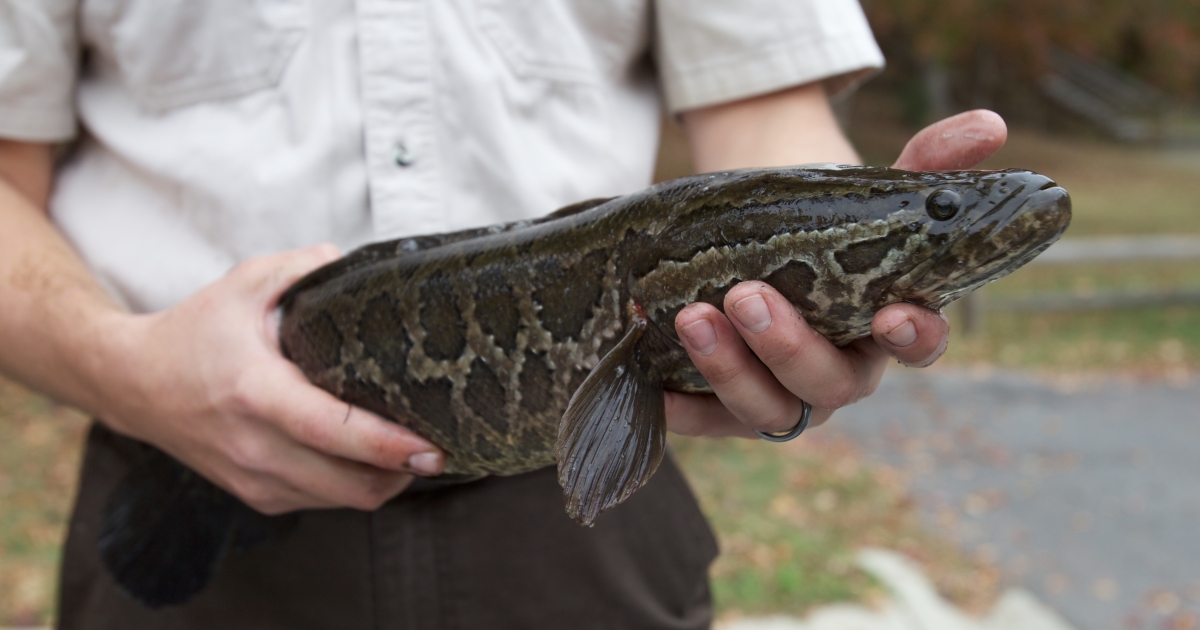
1053,204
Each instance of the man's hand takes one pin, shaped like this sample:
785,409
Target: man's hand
763,360
204,380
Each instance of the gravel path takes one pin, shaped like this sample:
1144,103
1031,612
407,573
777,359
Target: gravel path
1085,493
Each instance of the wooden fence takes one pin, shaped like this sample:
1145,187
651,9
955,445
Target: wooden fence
1107,249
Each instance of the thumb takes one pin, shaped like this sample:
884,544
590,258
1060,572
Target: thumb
269,276
958,142
264,280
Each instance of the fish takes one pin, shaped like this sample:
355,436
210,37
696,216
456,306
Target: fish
552,341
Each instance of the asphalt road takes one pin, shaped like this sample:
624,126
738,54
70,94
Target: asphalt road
1086,493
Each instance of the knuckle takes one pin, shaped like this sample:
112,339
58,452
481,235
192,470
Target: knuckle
721,373
838,395
781,350
779,355
250,268
325,251
243,397
249,454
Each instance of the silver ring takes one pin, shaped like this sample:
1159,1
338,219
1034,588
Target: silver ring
795,432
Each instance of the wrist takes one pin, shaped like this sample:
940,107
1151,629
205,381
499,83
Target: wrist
85,362
108,370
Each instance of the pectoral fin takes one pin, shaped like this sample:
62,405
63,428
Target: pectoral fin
612,436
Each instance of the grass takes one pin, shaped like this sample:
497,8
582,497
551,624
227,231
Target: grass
1145,342
39,460
791,517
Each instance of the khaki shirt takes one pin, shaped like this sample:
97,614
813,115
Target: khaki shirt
210,132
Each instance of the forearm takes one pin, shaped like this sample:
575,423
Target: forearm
57,322
794,126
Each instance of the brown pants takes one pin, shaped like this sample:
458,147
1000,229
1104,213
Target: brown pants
497,553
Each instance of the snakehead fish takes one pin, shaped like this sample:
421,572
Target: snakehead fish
522,345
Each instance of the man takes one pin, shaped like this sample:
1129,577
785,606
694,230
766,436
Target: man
218,141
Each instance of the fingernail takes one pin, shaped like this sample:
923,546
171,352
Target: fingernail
903,335
701,336
425,463
753,313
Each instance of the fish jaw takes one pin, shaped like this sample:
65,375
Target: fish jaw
996,245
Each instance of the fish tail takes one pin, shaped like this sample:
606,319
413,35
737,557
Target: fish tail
166,530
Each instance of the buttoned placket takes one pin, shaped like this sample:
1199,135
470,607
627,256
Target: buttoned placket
395,60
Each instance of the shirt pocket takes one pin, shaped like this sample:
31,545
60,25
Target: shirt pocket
560,40
172,53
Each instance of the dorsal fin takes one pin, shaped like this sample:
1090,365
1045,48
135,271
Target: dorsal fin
370,254
574,208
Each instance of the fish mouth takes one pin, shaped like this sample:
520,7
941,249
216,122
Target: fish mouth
1046,215
996,244
1032,226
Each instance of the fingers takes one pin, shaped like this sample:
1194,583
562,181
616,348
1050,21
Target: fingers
269,276
915,336
740,380
958,142
804,361
323,423
764,359
277,476
703,415
298,447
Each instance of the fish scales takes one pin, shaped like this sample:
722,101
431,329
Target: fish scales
522,345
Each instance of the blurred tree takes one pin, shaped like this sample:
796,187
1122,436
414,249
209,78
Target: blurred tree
955,54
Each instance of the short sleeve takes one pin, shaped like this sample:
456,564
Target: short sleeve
713,51
39,58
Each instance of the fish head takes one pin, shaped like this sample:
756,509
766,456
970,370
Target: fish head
979,226
839,242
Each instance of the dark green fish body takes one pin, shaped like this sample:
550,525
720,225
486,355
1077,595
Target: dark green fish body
517,346
478,340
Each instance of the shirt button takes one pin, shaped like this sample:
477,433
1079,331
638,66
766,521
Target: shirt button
403,155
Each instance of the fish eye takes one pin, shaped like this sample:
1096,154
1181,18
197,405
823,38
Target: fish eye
943,204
